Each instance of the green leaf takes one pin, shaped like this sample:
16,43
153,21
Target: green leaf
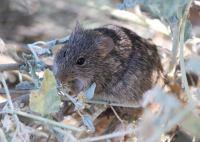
188,31
51,44
45,53
26,85
45,100
88,122
90,92
32,66
191,124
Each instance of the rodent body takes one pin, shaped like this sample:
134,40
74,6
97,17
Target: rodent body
122,64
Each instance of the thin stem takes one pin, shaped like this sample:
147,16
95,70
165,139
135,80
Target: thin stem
182,64
176,32
8,67
44,120
33,51
105,103
10,52
108,136
116,115
70,136
11,106
68,96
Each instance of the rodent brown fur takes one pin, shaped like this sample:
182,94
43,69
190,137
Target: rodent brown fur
122,64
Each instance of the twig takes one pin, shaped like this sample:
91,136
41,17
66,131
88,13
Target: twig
110,128
48,138
105,103
22,99
117,134
70,136
182,64
10,53
15,91
12,107
98,112
8,67
63,109
48,121
116,115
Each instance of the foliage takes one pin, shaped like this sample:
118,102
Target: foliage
45,100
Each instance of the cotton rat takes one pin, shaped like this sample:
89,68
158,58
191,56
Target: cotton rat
122,64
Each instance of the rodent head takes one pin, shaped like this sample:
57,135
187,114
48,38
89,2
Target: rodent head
81,60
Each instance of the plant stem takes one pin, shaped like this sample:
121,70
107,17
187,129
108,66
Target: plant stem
117,134
11,106
70,136
33,51
182,64
116,115
105,103
176,32
8,67
10,53
44,120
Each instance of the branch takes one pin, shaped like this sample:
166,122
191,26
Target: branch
182,64
105,103
117,134
15,66
45,120
12,107
8,67
22,99
176,32
10,53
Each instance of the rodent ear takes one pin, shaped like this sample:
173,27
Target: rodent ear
77,27
105,45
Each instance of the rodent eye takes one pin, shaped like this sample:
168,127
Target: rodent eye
64,53
80,61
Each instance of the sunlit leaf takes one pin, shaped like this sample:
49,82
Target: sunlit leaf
188,31
88,122
90,92
45,100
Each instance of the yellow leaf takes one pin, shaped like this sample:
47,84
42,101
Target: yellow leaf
45,100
